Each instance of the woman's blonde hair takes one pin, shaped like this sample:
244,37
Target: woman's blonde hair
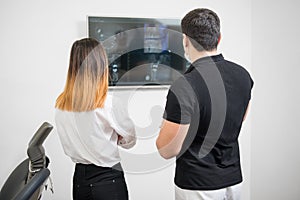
87,80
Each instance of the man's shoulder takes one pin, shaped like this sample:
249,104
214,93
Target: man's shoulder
236,66
183,87
239,71
181,83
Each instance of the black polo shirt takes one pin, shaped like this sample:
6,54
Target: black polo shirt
212,97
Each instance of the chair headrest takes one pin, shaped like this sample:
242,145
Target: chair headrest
35,150
40,135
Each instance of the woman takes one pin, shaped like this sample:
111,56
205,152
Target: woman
91,124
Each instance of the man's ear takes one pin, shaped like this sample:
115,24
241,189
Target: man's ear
185,41
219,39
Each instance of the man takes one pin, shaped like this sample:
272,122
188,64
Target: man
203,115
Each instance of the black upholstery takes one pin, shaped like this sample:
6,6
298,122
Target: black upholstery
26,182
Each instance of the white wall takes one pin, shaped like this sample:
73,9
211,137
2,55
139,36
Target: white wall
35,41
275,147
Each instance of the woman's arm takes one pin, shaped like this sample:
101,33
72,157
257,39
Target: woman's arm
123,125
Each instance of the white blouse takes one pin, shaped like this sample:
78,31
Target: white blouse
92,137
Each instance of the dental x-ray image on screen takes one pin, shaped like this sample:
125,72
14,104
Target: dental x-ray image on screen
141,51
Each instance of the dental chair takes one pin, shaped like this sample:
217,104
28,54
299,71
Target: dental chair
27,180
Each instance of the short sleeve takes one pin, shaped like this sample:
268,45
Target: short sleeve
180,102
251,86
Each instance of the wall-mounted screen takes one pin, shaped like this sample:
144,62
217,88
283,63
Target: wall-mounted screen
141,51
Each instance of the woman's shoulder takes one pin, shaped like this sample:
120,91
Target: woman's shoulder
112,102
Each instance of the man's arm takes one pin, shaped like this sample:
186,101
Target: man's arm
246,112
170,138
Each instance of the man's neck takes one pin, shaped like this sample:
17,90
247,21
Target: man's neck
201,54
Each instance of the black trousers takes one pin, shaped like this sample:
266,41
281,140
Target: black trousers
91,182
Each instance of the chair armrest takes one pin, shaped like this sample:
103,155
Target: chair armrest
33,185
